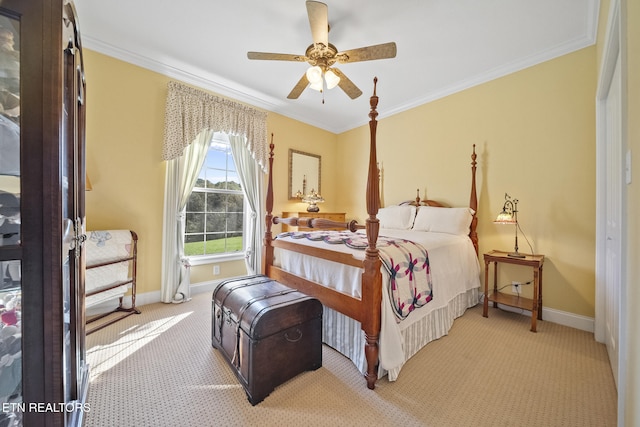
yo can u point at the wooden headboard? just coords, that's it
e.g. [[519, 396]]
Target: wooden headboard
[[419, 202], [473, 202]]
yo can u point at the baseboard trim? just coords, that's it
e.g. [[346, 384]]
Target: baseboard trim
[[198, 288], [155, 296], [147, 298], [564, 318]]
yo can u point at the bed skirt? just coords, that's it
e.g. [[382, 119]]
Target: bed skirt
[[346, 336]]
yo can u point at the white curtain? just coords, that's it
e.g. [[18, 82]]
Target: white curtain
[[188, 113], [182, 174], [251, 179]]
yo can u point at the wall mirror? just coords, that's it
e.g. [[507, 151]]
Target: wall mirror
[[304, 173]]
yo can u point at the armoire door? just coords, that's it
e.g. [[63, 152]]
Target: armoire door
[[76, 373], [43, 374]]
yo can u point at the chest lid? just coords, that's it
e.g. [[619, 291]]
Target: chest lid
[[264, 307]]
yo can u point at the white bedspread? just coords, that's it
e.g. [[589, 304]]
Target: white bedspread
[[455, 272]]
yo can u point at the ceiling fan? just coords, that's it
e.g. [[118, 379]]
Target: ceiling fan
[[322, 55]]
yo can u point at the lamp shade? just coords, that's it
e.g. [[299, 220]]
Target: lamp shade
[[332, 79], [509, 215], [314, 74], [316, 85], [505, 217]]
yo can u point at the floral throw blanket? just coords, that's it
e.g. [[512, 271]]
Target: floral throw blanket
[[406, 262]]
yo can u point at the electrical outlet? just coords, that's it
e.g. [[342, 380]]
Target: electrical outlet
[[515, 287], [216, 270]]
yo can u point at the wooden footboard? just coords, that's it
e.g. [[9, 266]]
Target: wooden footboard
[[367, 309]]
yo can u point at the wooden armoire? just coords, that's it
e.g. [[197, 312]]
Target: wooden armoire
[[43, 373]]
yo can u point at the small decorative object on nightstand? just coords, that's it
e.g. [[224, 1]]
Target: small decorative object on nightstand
[[535, 304], [313, 199]]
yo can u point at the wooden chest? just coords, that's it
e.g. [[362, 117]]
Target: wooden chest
[[267, 332]]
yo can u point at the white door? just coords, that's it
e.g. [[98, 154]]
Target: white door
[[614, 183]]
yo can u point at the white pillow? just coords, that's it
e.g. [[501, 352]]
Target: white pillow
[[443, 220], [397, 217]]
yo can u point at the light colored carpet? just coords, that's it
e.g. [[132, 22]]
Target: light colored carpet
[[159, 369]]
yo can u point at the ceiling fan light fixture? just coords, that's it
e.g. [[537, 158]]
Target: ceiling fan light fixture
[[314, 75], [332, 79], [317, 85], [321, 55]]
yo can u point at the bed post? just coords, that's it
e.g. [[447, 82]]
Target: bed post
[[267, 253], [372, 277], [473, 202]]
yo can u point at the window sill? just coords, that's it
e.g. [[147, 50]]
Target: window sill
[[210, 259]]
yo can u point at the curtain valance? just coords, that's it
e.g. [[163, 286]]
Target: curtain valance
[[189, 111]]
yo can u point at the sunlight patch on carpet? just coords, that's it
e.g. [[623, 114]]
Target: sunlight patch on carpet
[[102, 358]]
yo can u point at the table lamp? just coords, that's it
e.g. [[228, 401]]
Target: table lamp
[[509, 215]]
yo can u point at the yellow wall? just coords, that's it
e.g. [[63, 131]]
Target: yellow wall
[[535, 137], [534, 132], [125, 130], [302, 137], [125, 106]]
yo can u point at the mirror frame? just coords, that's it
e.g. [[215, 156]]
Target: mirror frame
[[303, 164]]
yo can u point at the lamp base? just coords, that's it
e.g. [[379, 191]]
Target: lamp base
[[516, 255], [313, 208]]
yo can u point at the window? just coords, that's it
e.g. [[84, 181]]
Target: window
[[215, 210]]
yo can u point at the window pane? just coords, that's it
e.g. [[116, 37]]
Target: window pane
[[216, 159], [215, 243], [216, 202], [216, 222], [235, 203], [215, 209], [231, 165], [234, 242], [194, 223], [196, 201], [234, 222], [216, 178], [233, 181], [194, 244]]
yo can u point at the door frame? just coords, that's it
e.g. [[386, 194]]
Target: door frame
[[612, 49]]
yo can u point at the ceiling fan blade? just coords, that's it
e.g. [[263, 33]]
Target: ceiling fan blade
[[276, 56], [319, 21], [299, 87], [369, 53], [347, 85]]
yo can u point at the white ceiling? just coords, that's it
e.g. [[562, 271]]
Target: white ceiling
[[444, 46]]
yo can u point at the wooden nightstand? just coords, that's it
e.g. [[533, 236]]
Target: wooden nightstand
[[333, 216], [535, 304]]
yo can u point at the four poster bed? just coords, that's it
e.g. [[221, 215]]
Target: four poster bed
[[357, 275]]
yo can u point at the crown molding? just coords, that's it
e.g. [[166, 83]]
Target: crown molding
[[224, 87]]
